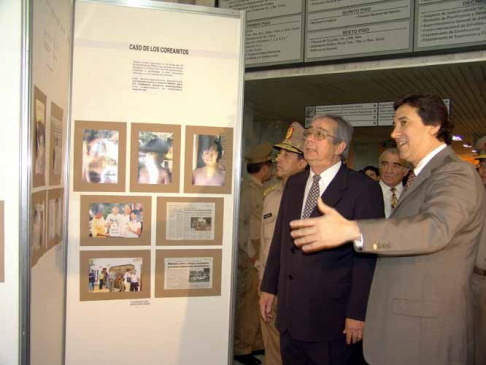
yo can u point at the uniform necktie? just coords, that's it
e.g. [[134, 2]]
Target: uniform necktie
[[410, 179], [394, 199], [311, 201]]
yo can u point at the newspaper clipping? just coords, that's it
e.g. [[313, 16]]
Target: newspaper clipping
[[190, 221], [188, 273]]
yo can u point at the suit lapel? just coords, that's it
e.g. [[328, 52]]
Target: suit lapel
[[425, 173], [298, 191], [335, 190]]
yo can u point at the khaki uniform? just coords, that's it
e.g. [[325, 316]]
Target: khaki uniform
[[479, 302], [248, 336], [271, 336]]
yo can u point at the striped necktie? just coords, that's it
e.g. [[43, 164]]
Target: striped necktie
[[394, 199]]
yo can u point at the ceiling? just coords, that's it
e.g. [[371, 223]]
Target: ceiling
[[285, 98]]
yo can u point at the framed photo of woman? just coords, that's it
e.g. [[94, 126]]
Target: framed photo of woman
[[209, 160]]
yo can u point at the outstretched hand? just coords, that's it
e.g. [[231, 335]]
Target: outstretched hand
[[327, 231]]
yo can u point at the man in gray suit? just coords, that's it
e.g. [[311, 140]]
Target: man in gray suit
[[419, 310]]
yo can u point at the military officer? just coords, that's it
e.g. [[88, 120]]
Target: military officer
[[290, 160], [248, 339]]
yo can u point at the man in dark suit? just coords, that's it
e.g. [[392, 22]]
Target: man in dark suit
[[420, 305], [322, 296]]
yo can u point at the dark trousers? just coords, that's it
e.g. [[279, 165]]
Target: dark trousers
[[338, 352]]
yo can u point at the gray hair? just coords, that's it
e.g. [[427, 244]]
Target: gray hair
[[395, 151], [344, 131]]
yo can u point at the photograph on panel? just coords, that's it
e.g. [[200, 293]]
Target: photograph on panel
[[54, 217], [115, 274], [39, 138], [209, 160], [189, 272], [99, 156], [38, 216], [111, 275], [115, 220], [155, 157], [209, 152], [189, 221], [56, 148]]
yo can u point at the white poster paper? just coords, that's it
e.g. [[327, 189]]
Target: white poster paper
[[190, 221]]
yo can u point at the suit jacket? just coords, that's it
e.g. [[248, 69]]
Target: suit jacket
[[317, 291], [419, 307]]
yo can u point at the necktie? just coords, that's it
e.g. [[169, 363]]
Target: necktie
[[311, 201], [394, 199], [410, 179]]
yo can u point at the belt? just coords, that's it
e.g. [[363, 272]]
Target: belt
[[479, 271]]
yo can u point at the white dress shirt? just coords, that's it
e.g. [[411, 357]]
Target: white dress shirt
[[326, 177], [387, 196]]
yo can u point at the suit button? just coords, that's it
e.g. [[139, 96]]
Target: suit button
[[292, 250], [291, 277]]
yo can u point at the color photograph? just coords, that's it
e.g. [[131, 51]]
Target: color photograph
[[155, 157], [115, 275], [121, 220], [99, 156], [39, 138], [208, 160], [115, 220], [112, 275]]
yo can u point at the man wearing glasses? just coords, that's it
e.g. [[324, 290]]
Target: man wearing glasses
[[322, 296], [392, 172]]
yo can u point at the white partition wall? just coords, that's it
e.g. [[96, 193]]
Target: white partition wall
[[10, 91], [156, 80]]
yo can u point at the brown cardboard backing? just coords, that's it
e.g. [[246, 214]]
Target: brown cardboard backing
[[38, 179], [55, 179], [143, 240], [162, 223], [191, 131], [38, 197], [160, 292], [79, 127], [134, 150], [84, 293], [54, 194]]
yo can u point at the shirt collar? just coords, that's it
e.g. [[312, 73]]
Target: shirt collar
[[398, 187], [328, 174], [423, 162]]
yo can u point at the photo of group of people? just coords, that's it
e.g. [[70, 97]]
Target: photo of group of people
[[155, 157], [105, 274], [115, 274], [120, 220]]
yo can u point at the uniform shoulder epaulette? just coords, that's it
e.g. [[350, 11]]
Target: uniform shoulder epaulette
[[270, 189]]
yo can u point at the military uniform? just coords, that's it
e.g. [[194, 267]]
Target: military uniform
[[248, 337], [271, 336]]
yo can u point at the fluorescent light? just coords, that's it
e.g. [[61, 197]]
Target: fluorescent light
[[456, 137], [467, 145]]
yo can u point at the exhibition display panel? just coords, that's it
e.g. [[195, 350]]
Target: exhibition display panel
[[155, 153]]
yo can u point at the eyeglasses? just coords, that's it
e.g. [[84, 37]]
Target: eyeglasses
[[318, 134]]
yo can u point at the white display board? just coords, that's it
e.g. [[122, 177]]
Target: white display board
[[162, 68], [10, 91], [274, 30]]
